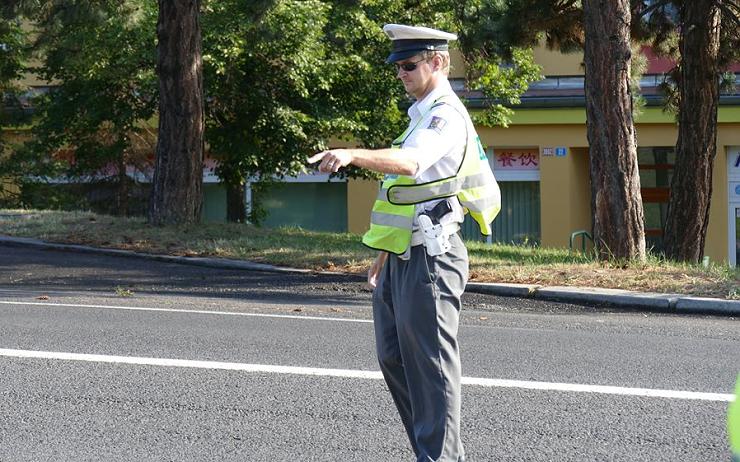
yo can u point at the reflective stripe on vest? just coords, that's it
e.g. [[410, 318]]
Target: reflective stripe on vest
[[474, 185], [388, 219], [413, 194]]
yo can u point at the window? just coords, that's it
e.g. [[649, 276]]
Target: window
[[656, 172]]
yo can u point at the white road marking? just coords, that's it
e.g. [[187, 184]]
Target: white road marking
[[361, 374], [174, 310]]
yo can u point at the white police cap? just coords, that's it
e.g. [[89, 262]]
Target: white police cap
[[412, 40]]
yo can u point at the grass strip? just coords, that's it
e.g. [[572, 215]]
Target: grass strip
[[299, 248]]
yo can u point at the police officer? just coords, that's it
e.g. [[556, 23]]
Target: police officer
[[435, 172]]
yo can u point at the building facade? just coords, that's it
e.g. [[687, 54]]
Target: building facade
[[541, 163]]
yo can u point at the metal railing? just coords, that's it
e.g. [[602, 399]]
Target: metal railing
[[585, 237]]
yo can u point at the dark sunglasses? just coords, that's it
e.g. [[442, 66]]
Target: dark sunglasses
[[408, 67]]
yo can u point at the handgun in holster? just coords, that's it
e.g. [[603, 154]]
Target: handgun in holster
[[436, 241]]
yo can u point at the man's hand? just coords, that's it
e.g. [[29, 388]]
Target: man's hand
[[374, 272], [332, 160]]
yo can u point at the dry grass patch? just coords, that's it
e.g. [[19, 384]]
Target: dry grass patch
[[299, 248]]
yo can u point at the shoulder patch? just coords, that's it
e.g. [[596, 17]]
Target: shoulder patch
[[437, 124]]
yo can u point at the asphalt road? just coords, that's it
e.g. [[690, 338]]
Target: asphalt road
[[107, 359]]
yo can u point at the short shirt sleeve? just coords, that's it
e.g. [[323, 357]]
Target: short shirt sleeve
[[440, 135]]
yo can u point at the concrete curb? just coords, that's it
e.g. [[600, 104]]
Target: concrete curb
[[506, 290], [612, 297], [667, 303], [702, 305]]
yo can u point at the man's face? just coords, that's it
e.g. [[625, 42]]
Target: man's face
[[416, 80]]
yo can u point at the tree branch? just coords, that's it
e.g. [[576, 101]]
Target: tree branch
[[729, 14], [732, 3], [654, 6]]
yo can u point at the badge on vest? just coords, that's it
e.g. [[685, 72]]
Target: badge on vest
[[437, 124]]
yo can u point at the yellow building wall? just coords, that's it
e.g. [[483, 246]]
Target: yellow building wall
[[565, 198], [564, 188], [457, 65], [360, 198], [556, 63], [553, 63]]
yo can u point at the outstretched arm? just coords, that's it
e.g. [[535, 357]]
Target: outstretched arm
[[391, 161]]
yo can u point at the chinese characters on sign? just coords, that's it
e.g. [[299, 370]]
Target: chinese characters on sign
[[517, 159]]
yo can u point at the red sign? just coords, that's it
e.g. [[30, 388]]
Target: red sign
[[517, 159]]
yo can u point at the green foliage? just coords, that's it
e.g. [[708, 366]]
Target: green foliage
[[93, 124], [500, 28], [498, 55], [283, 79], [658, 22], [267, 78], [286, 78], [13, 54], [497, 27], [503, 84], [639, 66], [502, 71]]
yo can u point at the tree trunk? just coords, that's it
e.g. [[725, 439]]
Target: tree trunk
[[691, 187], [235, 204], [616, 204], [176, 195]]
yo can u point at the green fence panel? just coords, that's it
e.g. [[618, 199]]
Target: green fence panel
[[314, 206], [214, 203]]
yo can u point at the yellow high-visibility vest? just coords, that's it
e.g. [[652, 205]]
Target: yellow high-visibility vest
[[474, 185], [733, 423]]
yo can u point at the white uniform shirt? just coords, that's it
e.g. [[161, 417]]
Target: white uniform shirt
[[440, 138]]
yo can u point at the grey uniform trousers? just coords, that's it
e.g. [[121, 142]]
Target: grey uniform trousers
[[416, 307]]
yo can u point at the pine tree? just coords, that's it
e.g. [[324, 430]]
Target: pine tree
[[616, 204], [708, 40], [176, 195], [601, 29]]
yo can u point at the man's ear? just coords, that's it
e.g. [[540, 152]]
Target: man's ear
[[436, 62]]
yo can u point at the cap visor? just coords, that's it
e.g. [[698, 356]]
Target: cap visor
[[399, 55]]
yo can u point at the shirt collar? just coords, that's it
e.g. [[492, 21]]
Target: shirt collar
[[422, 106]]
